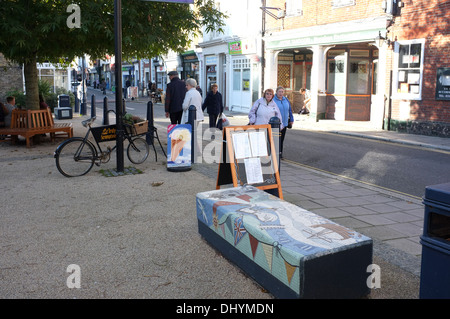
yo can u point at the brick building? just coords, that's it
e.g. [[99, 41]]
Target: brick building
[[11, 78], [421, 47], [384, 63]]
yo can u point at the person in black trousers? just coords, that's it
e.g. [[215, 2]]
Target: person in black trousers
[[175, 93], [213, 104]]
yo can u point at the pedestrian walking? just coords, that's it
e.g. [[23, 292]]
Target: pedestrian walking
[[175, 93], [213, 104], [286, 114], [264, 109], [194, 98]]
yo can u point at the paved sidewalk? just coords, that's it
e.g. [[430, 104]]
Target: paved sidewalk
[[134, 239]]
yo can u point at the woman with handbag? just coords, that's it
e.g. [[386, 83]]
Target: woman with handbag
[[286, 114], [264, 109], [213, 104]]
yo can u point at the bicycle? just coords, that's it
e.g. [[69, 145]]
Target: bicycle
[[76, 156]]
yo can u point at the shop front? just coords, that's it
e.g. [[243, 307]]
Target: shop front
[[190, 64], [245, 74], [351, 74], [338, 64], [211, 62]]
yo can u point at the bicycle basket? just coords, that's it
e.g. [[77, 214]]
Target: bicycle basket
[[138, 128]]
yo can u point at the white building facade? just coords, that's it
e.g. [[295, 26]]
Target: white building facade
[[233, 59]]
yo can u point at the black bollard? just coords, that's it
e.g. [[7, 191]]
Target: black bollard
[[150, 136], [275, 124], [93, 110], [124, 109], [105, 111], [192, 116], [77, 104]]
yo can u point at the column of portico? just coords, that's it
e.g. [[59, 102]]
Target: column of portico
[[270, 70]]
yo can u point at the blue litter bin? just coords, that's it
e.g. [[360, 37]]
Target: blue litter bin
[[435, 269]]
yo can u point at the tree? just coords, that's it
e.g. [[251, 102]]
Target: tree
[[35, 31]]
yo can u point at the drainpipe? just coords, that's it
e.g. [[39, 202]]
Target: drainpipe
[[263, 33], [389, 102]]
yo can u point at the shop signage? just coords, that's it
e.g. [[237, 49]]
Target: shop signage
[[174, 1], [234, 48], [104, 133], [367, 35], [211, 59], [342, 3], [443, 84]]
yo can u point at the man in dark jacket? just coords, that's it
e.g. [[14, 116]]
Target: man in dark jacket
[[213, 104], [176, 90]]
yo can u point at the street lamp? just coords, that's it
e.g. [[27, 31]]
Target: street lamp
[[118, 74], [380, 40]]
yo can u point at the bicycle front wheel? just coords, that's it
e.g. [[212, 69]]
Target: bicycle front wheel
[[137, 150], [75, 157]]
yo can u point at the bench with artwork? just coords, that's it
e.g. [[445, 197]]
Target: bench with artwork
[[28, 123], [291, 252]]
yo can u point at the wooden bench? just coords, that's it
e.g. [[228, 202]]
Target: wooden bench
[[291, 252], [28, 123]]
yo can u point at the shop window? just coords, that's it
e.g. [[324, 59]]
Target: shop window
[[241, 74], [336, 72], [237, 80], [358, 76], [302, 70], [284, 75], [408, 69]]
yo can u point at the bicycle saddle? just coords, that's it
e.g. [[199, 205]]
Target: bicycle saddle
[[88, 122]]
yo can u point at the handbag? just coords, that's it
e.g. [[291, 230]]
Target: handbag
[[222, 121], [219, 124], [289, 123]]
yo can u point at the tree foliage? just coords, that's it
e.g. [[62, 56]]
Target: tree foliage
[[36, 30]]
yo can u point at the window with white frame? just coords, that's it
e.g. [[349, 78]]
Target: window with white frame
[[241, 74], [293, 7], [408, 69]]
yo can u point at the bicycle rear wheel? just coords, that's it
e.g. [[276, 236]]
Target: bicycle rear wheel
[[138, 150], [75, 157]]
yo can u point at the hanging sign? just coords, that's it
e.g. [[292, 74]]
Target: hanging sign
[[443, 84], [234, 47]]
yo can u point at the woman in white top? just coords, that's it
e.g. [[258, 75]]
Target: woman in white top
[[192, 97], [264, 109]]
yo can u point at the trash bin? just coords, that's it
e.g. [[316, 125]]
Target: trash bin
[[435, 269], [64, 110]]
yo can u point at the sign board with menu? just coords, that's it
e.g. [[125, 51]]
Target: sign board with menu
[[249, 158]]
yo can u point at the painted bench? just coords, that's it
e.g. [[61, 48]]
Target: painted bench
[[289, 251]]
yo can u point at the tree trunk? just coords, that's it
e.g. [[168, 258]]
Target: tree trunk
[[31, 84]]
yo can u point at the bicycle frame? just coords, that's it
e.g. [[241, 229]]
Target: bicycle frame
[[100, 134]]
